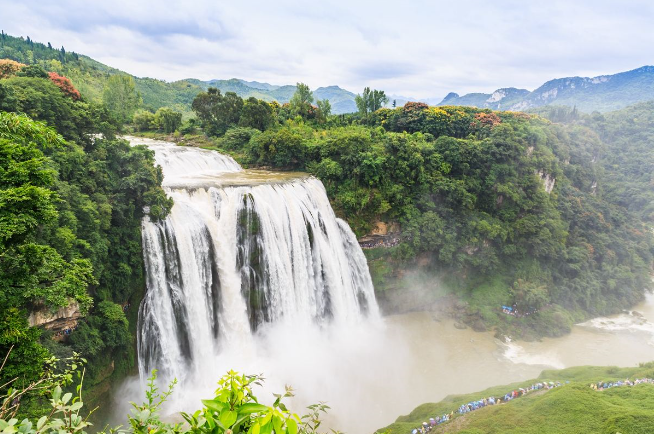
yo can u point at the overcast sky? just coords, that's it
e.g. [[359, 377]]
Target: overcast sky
[[414, 48]]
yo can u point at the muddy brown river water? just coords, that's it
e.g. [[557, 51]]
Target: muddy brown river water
[[425, 360]]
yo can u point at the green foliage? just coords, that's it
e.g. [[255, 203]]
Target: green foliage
[[300, 103], [144, 120], [20, 344], [529, 295], [41, 99], [324, 110], [370, 101], [237, 138], [70, 216], [168, 120], [57, 374], [165, 119], [285, 147], [31, 271], [256, 114], [234, 409], [628, 160], [217, 112], [32, 71], [120, 96]]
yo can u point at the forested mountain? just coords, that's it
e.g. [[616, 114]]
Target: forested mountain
[[90, 77], [603, 93], [627, 159]]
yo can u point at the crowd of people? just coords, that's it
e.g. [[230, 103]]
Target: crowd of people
[[481, 403], [66, 331], [380, 242], [512, 310], [602, 385]]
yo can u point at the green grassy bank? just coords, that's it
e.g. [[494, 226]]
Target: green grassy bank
[[572, 408]]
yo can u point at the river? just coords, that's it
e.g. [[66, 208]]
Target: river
[[428, 360]]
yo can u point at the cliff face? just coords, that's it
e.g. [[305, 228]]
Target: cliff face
[[60, 322]]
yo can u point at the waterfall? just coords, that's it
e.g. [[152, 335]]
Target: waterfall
[[240, 251]]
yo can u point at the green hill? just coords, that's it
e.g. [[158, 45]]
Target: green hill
[[90, 76], [572, 408]]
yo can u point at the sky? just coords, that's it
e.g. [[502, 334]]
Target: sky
[[416, 48]]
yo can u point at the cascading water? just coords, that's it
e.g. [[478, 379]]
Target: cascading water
[[239, 251]]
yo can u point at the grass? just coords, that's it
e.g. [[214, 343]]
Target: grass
[[571, 409]]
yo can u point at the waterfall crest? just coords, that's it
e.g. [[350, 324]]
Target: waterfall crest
[[239, 252]]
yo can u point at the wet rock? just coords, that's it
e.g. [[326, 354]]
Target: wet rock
[[479, 326]]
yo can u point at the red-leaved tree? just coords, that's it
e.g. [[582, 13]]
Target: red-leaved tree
[[65, 85]]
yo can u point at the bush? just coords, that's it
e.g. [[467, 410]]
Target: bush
[[236, 139], [233, 410]]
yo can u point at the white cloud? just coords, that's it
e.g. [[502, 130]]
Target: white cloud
[[420, 48]]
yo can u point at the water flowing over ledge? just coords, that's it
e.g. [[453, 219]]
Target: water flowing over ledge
[[241, 250]]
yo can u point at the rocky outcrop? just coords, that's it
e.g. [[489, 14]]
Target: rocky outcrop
[[381, 235], [548, 180], [65, 318], [383, 229]]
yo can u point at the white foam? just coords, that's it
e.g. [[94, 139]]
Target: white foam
[[628, 322], [519, 355]]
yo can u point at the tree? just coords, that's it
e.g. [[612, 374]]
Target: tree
[[324, 109], [167, 119], [144, 120], [370, 101], [65, 85], [217, 112], [41, 99], [9, 67], [120, 96], [31, 272], [301, 101], [229, 110], [32, 71], [256, 114], [205, 106], [362, 102], [529, 295], [379, 99]]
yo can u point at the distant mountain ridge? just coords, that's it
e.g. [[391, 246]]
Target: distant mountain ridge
[[342, 100], [602, 93]]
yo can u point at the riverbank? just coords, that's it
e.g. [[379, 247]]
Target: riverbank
[[574, 408]]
